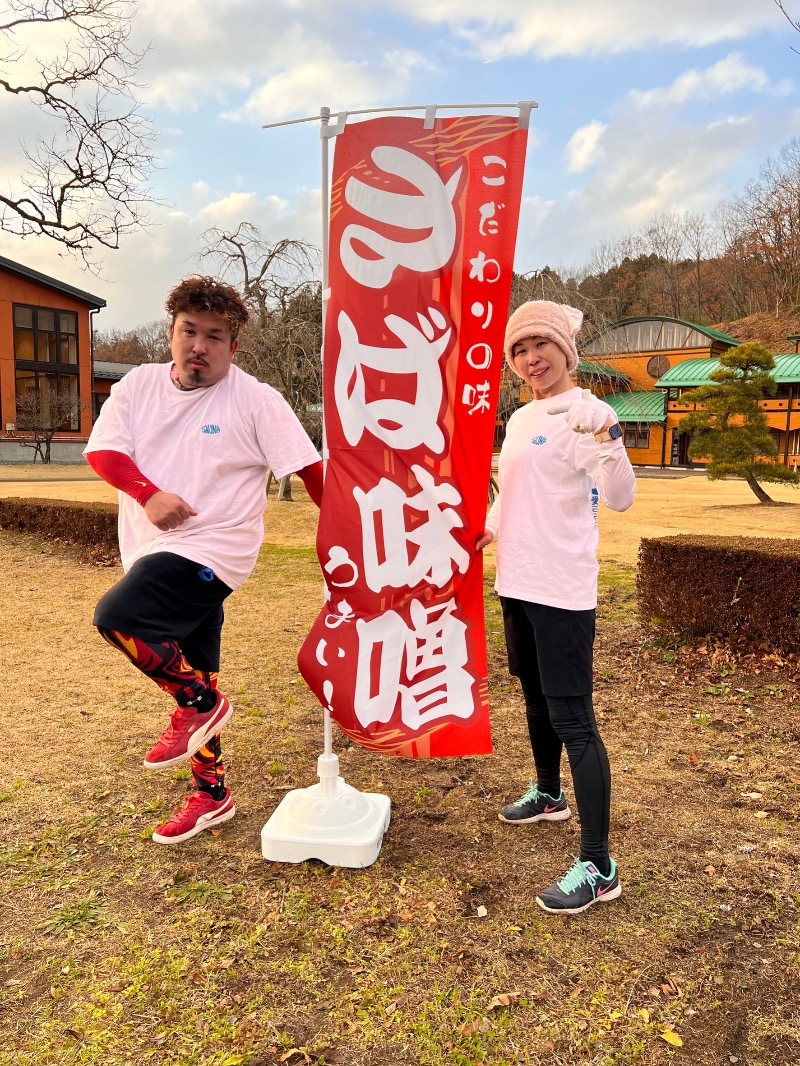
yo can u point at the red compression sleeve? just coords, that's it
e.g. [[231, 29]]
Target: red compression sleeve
[[120, 471], [311, 476]]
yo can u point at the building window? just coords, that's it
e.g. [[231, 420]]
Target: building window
[[46, 365], [657, 366], [637, 436]]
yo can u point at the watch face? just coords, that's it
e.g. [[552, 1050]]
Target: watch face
[[615, 431]]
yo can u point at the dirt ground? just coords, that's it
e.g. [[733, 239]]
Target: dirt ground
[[116, 951]]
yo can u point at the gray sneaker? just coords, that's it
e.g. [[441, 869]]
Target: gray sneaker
[[536, 806]]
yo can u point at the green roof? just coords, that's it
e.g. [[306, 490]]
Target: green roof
[[695, 372], [645, 334], [689, 374], [600, 370], [637, 406], [715, 333]]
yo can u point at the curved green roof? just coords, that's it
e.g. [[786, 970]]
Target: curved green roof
[[695, 372], [652, 333], [637, 406], [689, 374]]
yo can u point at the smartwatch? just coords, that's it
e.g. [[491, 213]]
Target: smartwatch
[[614, 432]]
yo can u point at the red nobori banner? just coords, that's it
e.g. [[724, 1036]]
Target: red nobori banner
[[422, 234]]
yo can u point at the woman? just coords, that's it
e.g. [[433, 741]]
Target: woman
[[562, 453]]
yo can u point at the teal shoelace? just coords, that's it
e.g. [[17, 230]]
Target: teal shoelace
[[575, 877], [532, 794]]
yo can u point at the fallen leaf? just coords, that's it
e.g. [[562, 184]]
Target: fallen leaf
[[672, 1038], [481, 911], [693, 759], [504, 999]]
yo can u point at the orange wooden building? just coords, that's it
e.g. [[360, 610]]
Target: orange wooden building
[[45, 350], [642, 367]]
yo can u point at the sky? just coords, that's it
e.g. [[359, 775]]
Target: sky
[[643, 109]]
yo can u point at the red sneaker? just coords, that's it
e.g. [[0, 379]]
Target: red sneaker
[[188, 730], [199, 812]]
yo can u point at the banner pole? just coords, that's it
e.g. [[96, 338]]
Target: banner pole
[[325, 198], [330, 821]]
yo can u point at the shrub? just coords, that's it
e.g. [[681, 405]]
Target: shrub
[[727, 586], [91, 525]]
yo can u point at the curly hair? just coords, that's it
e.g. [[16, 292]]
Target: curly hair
[[208, 294]]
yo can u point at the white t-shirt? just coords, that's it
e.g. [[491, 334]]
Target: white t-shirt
[[545, 518], [212, 446]]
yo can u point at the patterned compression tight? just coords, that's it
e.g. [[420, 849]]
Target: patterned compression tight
[[165, 663]]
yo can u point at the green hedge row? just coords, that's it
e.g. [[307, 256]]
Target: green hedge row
[[733, 587], [91, 525]]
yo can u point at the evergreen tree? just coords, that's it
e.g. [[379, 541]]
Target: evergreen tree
[[732, 429]]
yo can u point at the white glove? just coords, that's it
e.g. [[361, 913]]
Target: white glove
[[585, 415]]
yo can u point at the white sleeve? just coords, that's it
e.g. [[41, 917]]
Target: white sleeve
[[281, 437], [493, 517], [610, 469], [111, 431]]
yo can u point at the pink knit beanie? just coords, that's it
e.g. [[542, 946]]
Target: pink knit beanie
[[542, 318]]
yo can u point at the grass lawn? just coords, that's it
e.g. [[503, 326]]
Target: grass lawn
[[114, 950]]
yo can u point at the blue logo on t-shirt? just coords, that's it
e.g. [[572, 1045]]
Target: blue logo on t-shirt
[[206, 574], [539, 440], [210, 428], [595, 498]]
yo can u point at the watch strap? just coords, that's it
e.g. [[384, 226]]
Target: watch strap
[[614, 432]]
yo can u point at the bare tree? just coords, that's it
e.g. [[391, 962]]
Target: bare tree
[[763, 234], [43, 413], [147, 343], [85, 169], [794, 23], [282, 341]]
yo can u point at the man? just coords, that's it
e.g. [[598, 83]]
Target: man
[[189, 445]]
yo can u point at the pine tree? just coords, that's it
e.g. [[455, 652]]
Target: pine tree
[[732, 429]]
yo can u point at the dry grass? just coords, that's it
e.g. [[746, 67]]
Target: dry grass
[[116, 951]]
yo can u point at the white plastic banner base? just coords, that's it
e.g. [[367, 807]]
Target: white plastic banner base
[[330, 821]]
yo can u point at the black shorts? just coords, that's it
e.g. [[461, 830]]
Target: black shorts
[[164, 597], [549, 648]]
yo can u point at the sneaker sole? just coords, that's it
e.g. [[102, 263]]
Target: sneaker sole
[[196, 742], [218, 820], [607, 897], [556, 816]]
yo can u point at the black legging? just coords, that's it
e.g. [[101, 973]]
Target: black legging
[[556, 722]]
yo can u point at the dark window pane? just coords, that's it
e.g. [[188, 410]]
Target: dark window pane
[[45, 319], [67, 322], [23, 317]]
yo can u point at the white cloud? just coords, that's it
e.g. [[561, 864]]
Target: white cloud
[[647, 170], [730, 75], [135, 280], [342, 84], [549, 28], [281, 59], [583, 147]]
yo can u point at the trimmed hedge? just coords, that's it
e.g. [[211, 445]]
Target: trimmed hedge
[[745, 587], [93, 525]]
